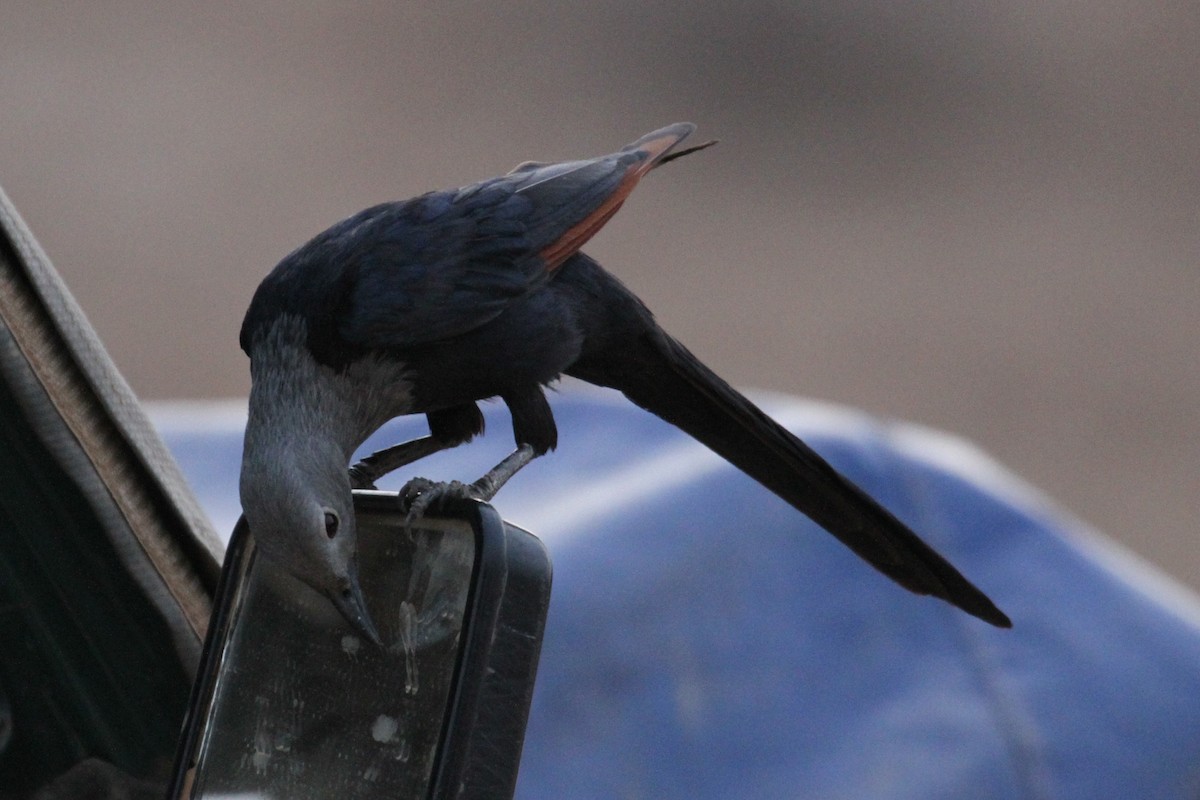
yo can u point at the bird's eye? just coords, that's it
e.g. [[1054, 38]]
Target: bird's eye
[[331, 524]]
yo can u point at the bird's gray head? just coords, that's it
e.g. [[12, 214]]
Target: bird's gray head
[[305, 421], [295, 489], [299, 508]]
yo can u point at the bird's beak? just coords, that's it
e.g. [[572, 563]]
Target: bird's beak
[[353, 605]]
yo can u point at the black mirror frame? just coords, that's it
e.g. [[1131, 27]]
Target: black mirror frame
[[484, 727]]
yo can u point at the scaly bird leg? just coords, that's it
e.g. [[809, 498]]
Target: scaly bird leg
[[364, 474], [421, 494]]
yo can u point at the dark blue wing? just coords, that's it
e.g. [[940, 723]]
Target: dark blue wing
[[440, 265]]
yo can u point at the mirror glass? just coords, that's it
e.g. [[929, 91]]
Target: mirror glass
[[304, 708]]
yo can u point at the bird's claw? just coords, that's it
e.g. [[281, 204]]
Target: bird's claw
[[360, 478], [421, 495]]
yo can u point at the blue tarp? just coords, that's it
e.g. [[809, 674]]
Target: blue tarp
[[707, 641]]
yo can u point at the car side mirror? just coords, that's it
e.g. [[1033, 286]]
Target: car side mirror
[[290, 702]]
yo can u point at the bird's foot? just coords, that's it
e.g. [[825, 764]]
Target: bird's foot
[[360, 478], [421, 495]]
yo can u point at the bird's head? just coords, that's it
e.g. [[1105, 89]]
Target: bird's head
[[300, 510]]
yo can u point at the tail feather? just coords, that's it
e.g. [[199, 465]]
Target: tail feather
[[667, 380]]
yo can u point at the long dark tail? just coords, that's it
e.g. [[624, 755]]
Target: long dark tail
[[663, 377]]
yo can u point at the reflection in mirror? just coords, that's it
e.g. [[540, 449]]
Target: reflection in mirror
[[304, 708]]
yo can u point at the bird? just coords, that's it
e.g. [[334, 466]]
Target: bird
[[432, 304]]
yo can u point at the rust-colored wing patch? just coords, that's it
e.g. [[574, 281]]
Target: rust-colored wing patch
[[655, 146]]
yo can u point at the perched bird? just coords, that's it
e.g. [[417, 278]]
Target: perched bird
[[428, 305]]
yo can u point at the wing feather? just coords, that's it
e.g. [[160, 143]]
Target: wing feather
[[440, 265]]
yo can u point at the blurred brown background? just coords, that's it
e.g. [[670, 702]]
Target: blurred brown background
[[979, 216]]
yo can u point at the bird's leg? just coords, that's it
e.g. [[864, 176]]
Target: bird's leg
[[495, 478], [421, 494], [370, 469]]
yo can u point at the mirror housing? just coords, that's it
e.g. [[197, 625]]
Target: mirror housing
[[290, 702]]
